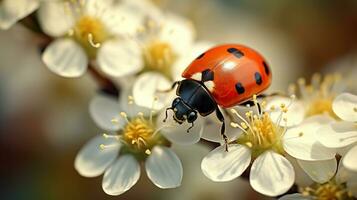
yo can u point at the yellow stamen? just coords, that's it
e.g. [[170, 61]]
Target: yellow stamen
[[138, 133], [89, 32], [261, 133], [328, 191]]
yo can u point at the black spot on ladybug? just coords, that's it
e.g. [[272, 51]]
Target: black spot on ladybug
[[258, 78], [240, 89], [237, 53], [266, 68], [207, 75], [200, 56]]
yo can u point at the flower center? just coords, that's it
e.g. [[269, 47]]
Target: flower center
[[138, 133], [260, 133], [328, 191], [319, 94], [320, 106], [159, 56], [89, 32]]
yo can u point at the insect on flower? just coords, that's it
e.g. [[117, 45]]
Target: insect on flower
[[225, 75], [135, 137]]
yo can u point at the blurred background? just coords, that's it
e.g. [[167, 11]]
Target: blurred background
[[44, 118]]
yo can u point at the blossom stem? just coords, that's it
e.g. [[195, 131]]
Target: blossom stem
[[31, 23]]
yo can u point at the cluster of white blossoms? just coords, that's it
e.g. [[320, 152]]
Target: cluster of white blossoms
[[310, 134]]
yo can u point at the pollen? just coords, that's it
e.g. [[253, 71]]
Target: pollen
[[138, 133], [159, 56], [90, 33], [260, 133], [328, 191]]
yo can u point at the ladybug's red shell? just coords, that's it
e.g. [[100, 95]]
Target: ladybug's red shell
[[233, 73]]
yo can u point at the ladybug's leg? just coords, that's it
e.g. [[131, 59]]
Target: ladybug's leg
[[170, 89], [167, 109], [192, 125], [223, 127]]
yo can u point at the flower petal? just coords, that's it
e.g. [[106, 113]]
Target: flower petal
[[125, 20], [301, 143], [271, 174], [350, 159], [54, 19], [177, 133], [319, 171], [337, 135], [295, 114], [120, 58], [121, 175], [301, 177], [164, 168], [65, 58], [91, 161], [13, 10], [296, 196], [147, 87], [178, 32], [345, 106], [103, 110], [145, 9], [132, 109], [222, 166]]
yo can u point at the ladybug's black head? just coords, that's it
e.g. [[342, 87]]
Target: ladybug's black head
[[183, 112]]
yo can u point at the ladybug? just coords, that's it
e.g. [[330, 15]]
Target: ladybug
[[223, 76]]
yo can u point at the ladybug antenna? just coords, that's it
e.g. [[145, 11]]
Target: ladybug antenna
[[167, 109], [192, 125]]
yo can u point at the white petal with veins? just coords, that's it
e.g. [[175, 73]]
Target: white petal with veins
[[66, 58], [271, 174], [221, 166]]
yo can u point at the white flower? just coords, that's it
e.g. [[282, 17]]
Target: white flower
[[313, 99], [87, 32], [136, 138], [341, 186], [343, 134], [266, 144], [12, 11], [166, 46]]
